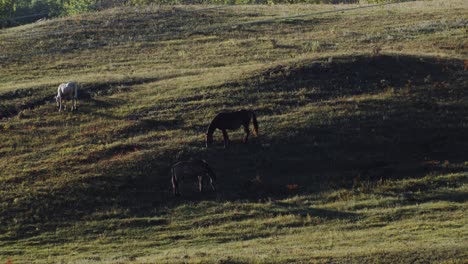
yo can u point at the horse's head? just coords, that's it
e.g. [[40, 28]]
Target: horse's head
[[57, 99], [208, 139]]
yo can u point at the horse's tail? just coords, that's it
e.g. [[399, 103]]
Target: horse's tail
[[255, 123], [76, 91]]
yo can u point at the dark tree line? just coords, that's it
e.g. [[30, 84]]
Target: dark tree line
[[17, 12]]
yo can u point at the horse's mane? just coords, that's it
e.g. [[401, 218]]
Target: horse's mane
[[211, 127]]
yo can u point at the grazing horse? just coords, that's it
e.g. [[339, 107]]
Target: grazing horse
[[68, 91], [231, 121], [193, 168]]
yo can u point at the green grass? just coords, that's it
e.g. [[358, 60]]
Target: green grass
[[363, 114]]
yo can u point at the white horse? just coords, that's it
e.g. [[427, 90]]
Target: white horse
[[67, 91]]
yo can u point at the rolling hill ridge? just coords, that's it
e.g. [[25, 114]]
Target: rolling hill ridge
[[360, 155]]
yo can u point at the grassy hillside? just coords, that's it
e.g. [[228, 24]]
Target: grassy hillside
[[361, 155]]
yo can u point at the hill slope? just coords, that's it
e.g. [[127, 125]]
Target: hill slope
[[361, 155]]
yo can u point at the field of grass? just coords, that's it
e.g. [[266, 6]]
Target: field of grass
[[361, 155]]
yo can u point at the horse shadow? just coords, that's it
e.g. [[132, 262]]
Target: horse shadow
[[394, 137], [418, 119]]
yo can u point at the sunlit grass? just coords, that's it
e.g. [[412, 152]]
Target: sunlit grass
[[360, 156]]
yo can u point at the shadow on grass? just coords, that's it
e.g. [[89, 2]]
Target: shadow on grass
[[423, 118], [446, 195]]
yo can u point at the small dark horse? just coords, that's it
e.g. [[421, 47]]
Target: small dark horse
[[194, 168], [231, 121]]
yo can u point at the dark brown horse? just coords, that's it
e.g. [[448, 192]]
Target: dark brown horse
[[193, 169], [232, 121]]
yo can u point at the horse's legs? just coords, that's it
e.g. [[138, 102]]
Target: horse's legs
[[247, 132], [226, 138], [175, 185], [212, 184], [60, 104], [200, 183]]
